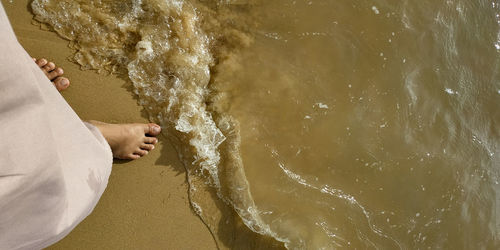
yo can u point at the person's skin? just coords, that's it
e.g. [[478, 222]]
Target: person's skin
[[53, 73], [127, 141]]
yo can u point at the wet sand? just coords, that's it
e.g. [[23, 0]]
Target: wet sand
[[146, 203]]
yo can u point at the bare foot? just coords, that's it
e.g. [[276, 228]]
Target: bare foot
[[129, 141], [53, 73]]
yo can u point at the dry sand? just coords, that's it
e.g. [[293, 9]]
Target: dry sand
[[145, 205]]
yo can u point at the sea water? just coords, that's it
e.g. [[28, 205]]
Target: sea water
[[322, 124]]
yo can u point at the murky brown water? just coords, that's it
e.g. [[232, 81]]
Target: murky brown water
[[324, 124]]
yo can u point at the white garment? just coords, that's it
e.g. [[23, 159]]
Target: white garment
[[53, 167]]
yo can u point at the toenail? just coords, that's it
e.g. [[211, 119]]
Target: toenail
[[156, 129], [64, 82]]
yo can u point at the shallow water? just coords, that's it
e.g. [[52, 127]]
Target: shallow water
[[324, 124]]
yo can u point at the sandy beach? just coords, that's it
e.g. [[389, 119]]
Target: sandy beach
[[298, 124], [146, 203]]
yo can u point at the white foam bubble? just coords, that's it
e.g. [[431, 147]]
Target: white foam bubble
[[450, 91], [321, 105]]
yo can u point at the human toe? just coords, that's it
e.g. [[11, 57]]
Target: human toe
[[55, 73], [141, 152], [147, 147], [49, 67], [132, 157], [61, 83], [41, 62], [152, 129], [150, 140]]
